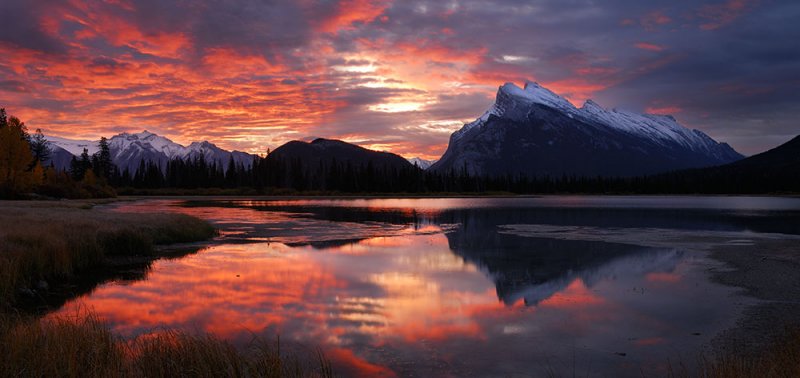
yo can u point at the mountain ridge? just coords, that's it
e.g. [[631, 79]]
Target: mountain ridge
[[327, 150], [535, 132], [128, 149]]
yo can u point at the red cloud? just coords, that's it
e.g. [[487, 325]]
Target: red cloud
[[663, 110], [349, 12], [654, 19], [649, 46], [719, 15]]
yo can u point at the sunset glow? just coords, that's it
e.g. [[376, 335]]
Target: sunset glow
[[391, 75]]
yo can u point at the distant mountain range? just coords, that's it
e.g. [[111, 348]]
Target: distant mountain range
[[127, 150], [529, 131], [421, 163], [533, 131]]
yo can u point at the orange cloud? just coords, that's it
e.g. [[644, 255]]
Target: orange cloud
[[663, 110], [349, 12], [649, 46]]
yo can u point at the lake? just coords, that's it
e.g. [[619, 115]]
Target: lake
[[562, 285]]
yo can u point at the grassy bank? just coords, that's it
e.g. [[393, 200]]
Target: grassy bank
[[782, 359], [51, 241], [56, 240], [84, 347]]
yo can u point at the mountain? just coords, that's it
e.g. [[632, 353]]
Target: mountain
[[59, 157], [73, 146], [127, 150], [776, 170], [784, 159], [421, 163], [326, 150], [535, 132]]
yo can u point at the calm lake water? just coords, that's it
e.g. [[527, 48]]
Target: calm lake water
[[590, 286]]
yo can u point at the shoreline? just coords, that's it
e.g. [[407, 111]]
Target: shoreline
[[138, 197], [768, 271], [66, 247]]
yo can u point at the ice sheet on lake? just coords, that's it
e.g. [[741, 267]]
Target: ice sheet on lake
[[647, 237]]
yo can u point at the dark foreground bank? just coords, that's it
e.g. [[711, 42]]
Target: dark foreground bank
[[44, 244]]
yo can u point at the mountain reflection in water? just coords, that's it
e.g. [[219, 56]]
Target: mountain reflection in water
[[434, 288]]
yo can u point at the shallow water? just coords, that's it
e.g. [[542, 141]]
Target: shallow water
[[568, 285]]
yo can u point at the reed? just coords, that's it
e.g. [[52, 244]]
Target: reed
[[44, 241], [780, 359], [82, 346]]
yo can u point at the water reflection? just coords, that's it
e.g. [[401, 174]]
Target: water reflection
[[116, 270], [418, 288]]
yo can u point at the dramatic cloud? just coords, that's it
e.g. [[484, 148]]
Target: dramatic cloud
[[393, 75]]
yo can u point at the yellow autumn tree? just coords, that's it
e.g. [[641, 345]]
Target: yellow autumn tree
[[16, 175]]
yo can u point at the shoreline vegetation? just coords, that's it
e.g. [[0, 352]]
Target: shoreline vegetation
[[43, 243], [83, 346], [56, 240]]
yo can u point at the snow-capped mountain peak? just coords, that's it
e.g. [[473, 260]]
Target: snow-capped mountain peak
[[128, 149], [74, 146], [592, 107], [556, 137], [147, 141], [514, 102], [421, 163]]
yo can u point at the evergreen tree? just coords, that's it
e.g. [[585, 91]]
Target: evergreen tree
[[103, 166], [79, 166], [40, 149], [231, 174]]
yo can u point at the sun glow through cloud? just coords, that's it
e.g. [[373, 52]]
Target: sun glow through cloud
[[392, 72]]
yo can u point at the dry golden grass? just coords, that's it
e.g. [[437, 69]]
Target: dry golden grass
[[84, 347], [57, 239]]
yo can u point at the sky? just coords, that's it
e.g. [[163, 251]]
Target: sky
[[397, 76]]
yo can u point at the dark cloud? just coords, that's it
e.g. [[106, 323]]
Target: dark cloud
[[13, 86], [325, 67], [22, 29]]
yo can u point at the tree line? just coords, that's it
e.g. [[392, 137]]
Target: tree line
[[23, 171], [274, 173]]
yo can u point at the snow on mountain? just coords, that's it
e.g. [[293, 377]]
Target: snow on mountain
[[74, 146], [533, 130], [146, 140], [664, 128], [531, 93], [128, 150], [421, 163], [514, 102]]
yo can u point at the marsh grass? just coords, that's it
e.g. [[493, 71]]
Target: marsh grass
[[82, 346], [43, 241], [780, 359]]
